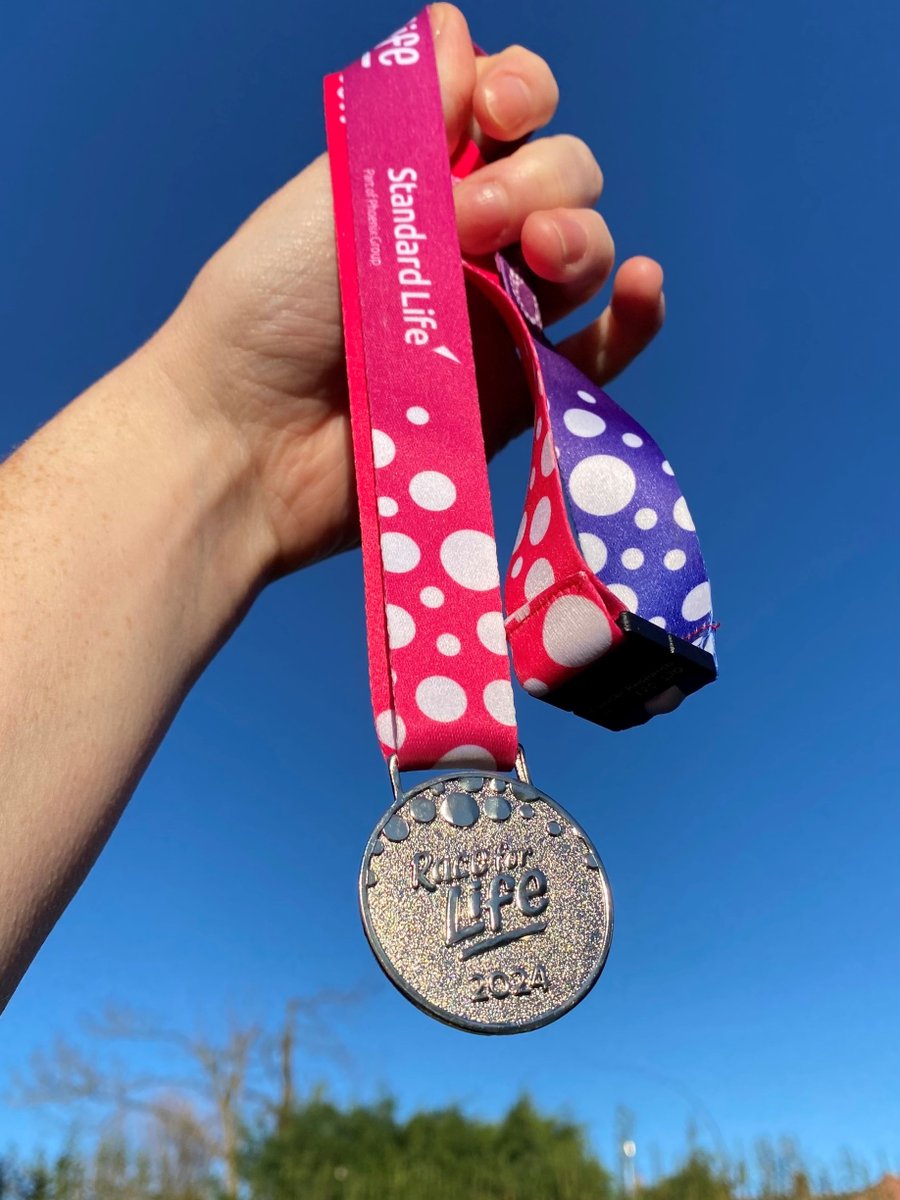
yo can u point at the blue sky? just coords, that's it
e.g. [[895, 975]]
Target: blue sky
[[751, 837]]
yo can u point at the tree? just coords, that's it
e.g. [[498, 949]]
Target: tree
[[366, 1153], [192, 1108], [698, 1179]]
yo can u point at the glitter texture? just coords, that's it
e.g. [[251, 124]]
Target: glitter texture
[[529, 920]]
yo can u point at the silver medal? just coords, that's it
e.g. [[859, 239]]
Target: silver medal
[[484, 902]]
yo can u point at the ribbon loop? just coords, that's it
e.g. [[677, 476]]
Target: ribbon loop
[[601, 496]]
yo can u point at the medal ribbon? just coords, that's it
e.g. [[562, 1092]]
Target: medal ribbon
[[601, 498]]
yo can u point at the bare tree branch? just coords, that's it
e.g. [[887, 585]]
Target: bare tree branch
[[196, 1110]]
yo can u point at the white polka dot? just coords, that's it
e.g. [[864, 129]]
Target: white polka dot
[[602, 484], [697, 602], [660, 621], [387, 507], [632, 439], [665, 702], [399, 552], [532, 479], [448, 644], [539, 521], [675, 559], [432, 490], [575, 631], [521, 533], [583, 424], [440, 698], [535, 687], [538, 427], [681, 514], [431, 597], [539, 578], [516, 567], [400, 625], [470, 559], [383, 448], [668, 470], [645, 518], [548, 461], [491, 633], [390, 729], [418, 416], [586, 397], [594, 550], [468, 756], [498, 700], [632, 558], [626, 594]]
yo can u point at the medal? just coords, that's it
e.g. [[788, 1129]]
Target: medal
[[483, 900]]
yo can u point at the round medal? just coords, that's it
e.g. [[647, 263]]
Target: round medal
[[485, 904]]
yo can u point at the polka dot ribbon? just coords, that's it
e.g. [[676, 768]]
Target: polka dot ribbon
[[601, 498]]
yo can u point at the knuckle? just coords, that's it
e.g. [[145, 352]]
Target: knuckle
[[531, 64], [516, 50], [576, 152]]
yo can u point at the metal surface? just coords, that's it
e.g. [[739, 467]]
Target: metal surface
[[484, 903]]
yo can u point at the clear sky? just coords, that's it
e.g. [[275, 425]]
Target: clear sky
[[752, 837]]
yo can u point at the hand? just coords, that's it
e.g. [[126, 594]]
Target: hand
[[257, 344]]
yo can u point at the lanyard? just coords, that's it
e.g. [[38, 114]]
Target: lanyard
[[606, 548], [607, 598]]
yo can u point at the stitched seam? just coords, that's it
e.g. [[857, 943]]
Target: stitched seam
[[570, 585]]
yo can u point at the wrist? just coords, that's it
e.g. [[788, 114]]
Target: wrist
[[216, 461], [275, 391], [202, 472]]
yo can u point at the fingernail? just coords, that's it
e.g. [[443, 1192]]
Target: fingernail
[[573, 239], [508, 101]]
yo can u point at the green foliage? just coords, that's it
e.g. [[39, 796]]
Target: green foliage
[[697, 1179], [113, 1170], [322, 1152], [317, 1150]]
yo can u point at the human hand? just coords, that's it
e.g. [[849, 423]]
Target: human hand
[[256, 347]]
